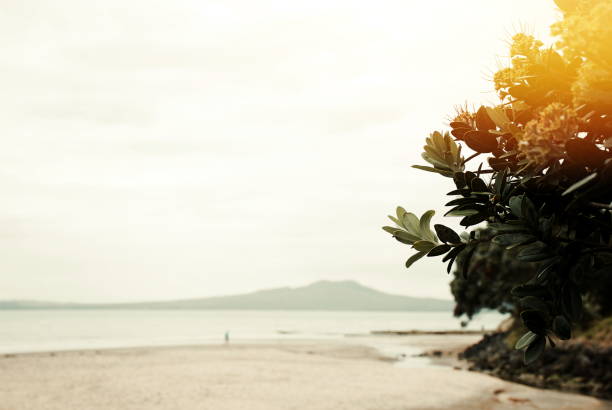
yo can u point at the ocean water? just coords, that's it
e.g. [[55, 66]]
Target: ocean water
[[53, 330]]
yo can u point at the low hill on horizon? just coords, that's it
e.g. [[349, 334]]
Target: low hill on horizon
[[322, 295]]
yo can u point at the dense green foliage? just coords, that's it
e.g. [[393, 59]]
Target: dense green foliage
[[493, 272], [543, 186]]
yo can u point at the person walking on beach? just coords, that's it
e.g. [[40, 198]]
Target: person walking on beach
[[227, 337]]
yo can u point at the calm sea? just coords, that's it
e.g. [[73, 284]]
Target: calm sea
[[49, 330]]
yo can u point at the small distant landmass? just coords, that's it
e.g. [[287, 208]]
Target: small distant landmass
[[322, 295]]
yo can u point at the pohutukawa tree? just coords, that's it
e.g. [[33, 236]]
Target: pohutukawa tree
[[539, 174]]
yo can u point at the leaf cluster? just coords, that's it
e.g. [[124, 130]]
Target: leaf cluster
[[543, 187]]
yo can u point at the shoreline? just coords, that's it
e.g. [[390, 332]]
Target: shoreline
[[295, 338], [300, 374], [429, 332]]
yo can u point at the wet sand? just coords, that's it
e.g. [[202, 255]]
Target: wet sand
[[309, 375]]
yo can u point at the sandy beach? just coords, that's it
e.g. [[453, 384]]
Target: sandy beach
[[276, 375]]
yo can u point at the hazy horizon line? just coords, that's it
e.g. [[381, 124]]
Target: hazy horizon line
[[180, 299]]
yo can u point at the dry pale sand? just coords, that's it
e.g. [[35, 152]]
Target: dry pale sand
[[296, 375]]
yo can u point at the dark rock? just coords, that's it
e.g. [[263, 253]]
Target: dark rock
[[582, 368]]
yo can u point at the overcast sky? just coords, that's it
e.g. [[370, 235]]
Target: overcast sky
[[185, 148]]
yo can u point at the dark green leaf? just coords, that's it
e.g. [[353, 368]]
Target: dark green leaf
[[463, 192], [523, 243], [478, 185], [446, 234], [500, 181], [515, 205], [509, 191], [454, 252], [534, 321], [462, 201], [439, 250], [508, 239], [534, 252], [498, 164], [450, 264], [535, 349], [459, 179], [473, 219], [462, 211], [547, 269], [469, 175], [525, 340], [535, 303], [414, 258], [528, 211], [507, 228], [562, 328], [580, 184]]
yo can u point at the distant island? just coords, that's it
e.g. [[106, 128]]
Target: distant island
[[322, 295]]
